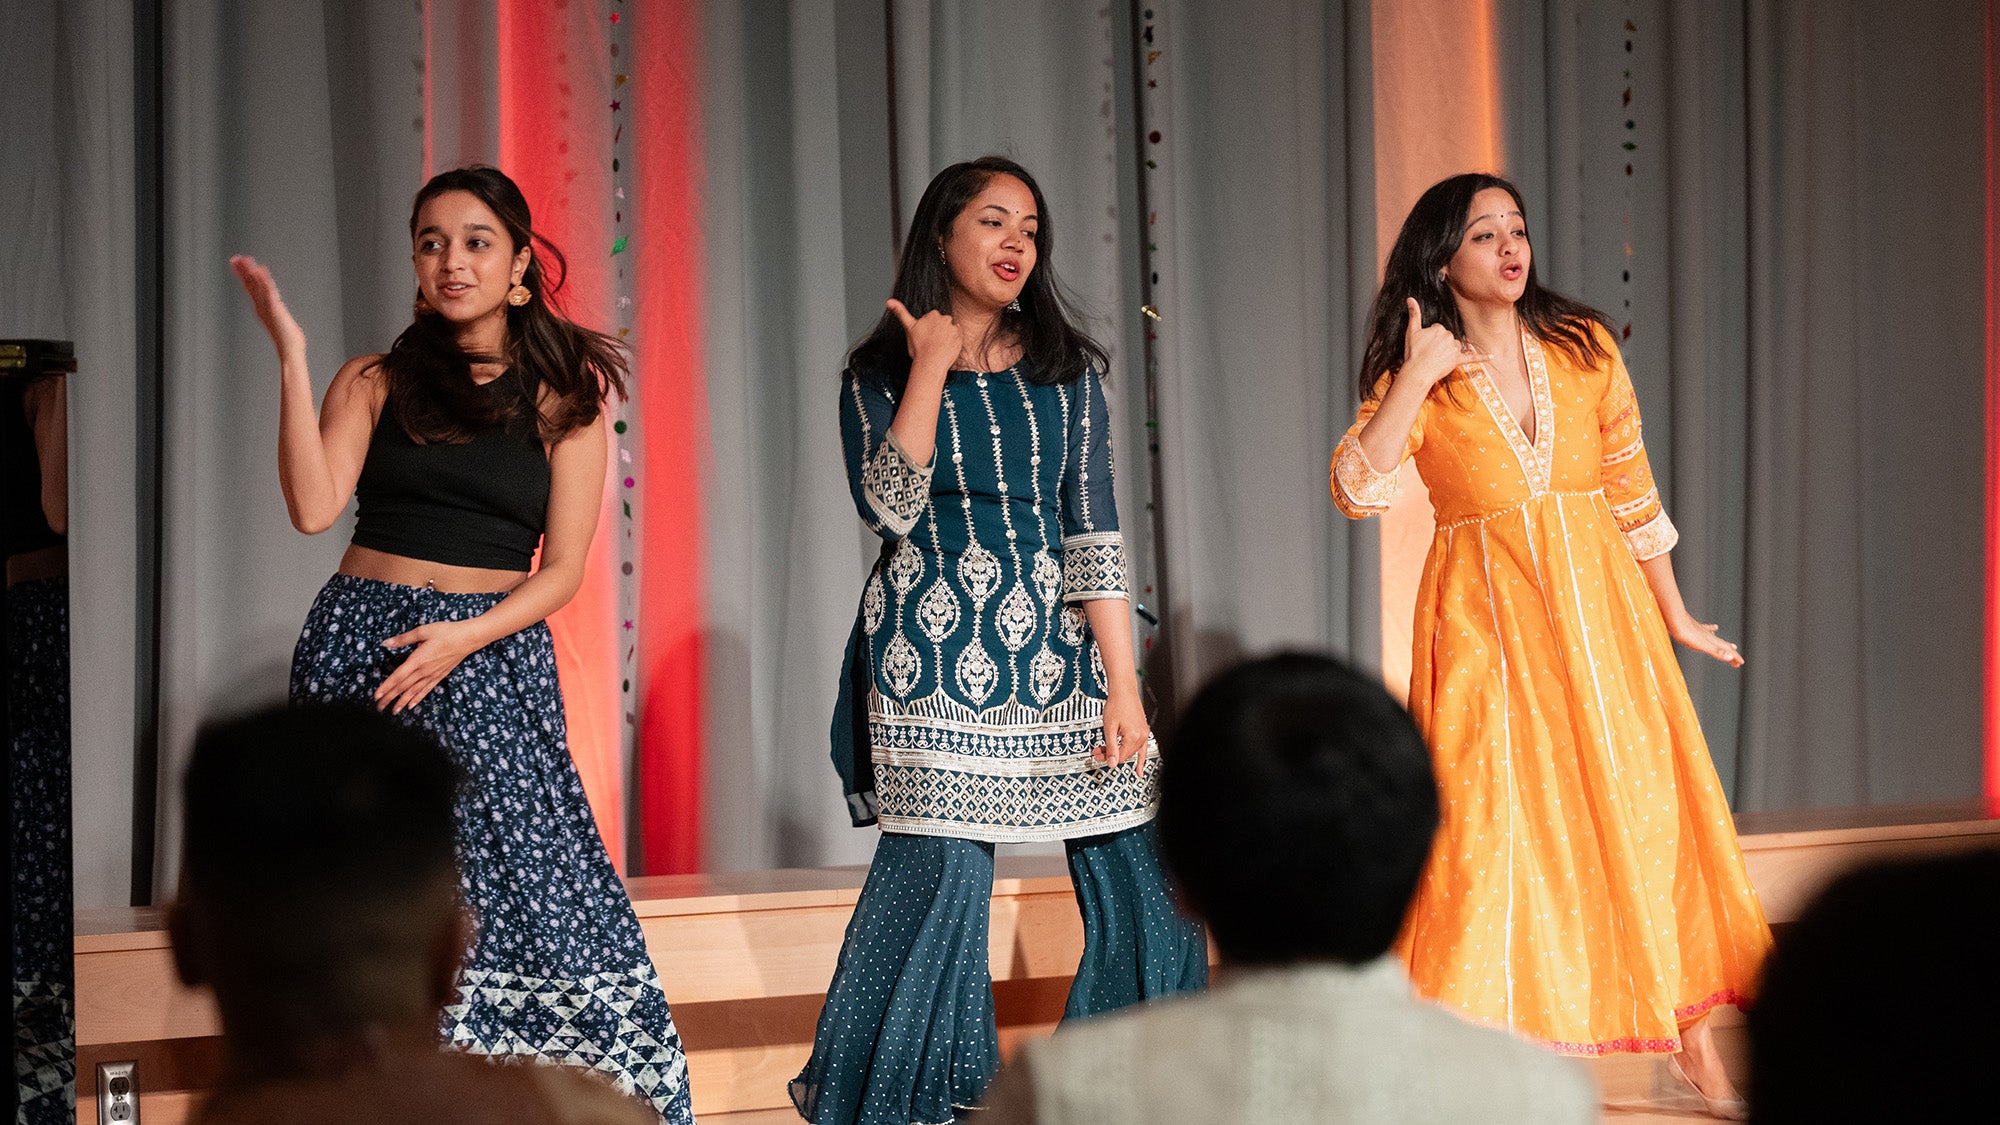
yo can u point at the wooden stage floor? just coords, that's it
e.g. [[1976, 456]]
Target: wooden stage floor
[[746, 957]]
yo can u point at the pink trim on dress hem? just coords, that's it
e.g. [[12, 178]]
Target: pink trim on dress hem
[[1700, 1008], [1634, 1045]]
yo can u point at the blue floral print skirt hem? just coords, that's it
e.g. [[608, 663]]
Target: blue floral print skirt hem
[[558, 970], [39, 750]]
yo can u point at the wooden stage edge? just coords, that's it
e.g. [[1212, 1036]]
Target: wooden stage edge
[[745, 959]]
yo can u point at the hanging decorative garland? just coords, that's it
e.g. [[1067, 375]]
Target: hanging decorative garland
[[627, 470], [1631, 148], [1151, 107]]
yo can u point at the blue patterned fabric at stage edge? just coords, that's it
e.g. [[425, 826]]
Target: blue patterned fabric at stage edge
[[38, 699], [558, 970], [984, 692]]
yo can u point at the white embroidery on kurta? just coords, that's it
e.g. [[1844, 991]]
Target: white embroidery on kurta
[[897, 489], [1537, 458], [1653, 538], [1048, 577], [1023, 710], [1045, 673], [1093, 566], [874, 603], [1071, 624], [906, 567], [979, 570], [977, 674], [1016, 809], [937, 612], [1364, 487], [902, 664], [1015, 619]]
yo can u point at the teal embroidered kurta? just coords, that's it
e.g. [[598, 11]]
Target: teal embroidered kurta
[[984, 691]]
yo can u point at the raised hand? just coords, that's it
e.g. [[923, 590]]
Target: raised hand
[[1430, 351], [285, 331], [932, 338]]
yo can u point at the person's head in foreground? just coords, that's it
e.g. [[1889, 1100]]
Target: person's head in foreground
[[1297, 811], [319, 900], [1908, 947]]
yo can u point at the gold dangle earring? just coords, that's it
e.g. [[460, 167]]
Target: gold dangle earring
[[519, 295]]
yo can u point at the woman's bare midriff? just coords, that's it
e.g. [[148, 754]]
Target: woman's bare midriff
[[366, 562]]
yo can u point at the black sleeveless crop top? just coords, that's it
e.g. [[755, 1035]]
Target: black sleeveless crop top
[[479, 503]]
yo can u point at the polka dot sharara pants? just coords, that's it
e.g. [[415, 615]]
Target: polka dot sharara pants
[[908, 1034]]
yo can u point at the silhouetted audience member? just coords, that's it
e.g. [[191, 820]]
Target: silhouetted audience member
[[1297, 806], [1910, 947], [320, 901]]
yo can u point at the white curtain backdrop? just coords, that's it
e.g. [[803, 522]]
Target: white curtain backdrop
[[70, 245], [1804, 290], [1804, 281], [293, 134], [1261, 205], [798, 230]]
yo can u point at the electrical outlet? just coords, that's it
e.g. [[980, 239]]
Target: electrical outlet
[[118, 1093]]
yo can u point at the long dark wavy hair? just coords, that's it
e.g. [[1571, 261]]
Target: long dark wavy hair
[[1430, 236], [431, 393], [1054, 348]]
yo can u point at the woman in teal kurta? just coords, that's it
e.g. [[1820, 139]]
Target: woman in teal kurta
[[987, 690], [990, 695]]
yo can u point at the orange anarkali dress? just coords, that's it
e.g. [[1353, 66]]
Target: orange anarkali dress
[[1586, 888]]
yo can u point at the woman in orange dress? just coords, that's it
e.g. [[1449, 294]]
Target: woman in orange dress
[[1587, 889]]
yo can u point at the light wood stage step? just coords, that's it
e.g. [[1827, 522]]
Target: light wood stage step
[[745, 959]]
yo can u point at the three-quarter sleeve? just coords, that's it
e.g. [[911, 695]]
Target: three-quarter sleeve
[[1093, 549], [890, 490], [1627, 477], [1360, 489]]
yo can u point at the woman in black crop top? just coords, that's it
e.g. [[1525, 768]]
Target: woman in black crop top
[[475, 439]]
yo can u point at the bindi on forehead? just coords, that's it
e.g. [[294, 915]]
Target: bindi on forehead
[[1001, 193], [1476, 219], [1006, 210]]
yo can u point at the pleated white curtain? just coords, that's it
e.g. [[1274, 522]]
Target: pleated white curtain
[[70, 233], [279, 125], [1804, 291], [798, 229], [292, 133], [1259, 150], [1795, 249]]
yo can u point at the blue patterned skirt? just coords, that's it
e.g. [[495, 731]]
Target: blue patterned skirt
[[38, 738], [558, 969]]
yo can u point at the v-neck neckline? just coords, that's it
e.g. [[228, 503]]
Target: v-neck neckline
[[1537, 454]]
